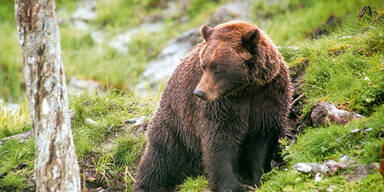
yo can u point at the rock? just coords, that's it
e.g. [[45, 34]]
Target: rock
[[77, 86], [136, 121], [98, 36], [367, 130], [81, 25], [92, 122], [233, 10], [324, 113], [345, 159], [311, 168], [334, 166], [85, 10], [121, 42], [355, 131], [139, 126], [346, 37], [331, 188], [328, 166], [363, 170], [318, 177], [166, 62]]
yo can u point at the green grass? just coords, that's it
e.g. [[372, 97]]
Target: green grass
[[110, 111], [288, 22], [194, 184], [84, 58], [347, 71], [345, 67], [14, 123]]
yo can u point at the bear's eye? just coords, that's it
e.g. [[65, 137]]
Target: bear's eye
[[203, 67], [215, 68]]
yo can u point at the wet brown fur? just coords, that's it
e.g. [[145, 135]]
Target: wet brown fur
[[232, 136]]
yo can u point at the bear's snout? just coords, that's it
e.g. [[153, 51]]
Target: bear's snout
[[199, 93]]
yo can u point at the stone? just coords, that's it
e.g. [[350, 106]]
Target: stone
[[136, 121], [311, 168], [77, 86], [324, 113], [81, 25], [121, 42], [166, 62], [334, 166], [92, 122], [85, 10], [328, 166], [362, 171], [233, 10]]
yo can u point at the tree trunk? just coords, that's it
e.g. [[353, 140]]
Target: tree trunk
[[56, 167]]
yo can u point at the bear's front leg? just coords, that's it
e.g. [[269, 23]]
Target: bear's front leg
[[163, 164], [220, 153]]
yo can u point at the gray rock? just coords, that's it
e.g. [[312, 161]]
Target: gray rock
[[121, 42], [362, 171], [98, 36], [80, 25], [331, 188], [166, 62], [355, 131], [234, 10], [328, 166], [345, 159], [77, 86], [91, 122], [311, 168], [136, 121], [334, 166], [85, 10], [324, 112], [318, 177], [303, 167]]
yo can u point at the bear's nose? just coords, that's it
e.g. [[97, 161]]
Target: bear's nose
[[200, 94]]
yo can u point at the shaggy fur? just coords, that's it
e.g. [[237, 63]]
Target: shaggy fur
[[231, 132]]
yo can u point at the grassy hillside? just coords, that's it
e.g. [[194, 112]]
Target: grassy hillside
[[83, 56], [345, 66]]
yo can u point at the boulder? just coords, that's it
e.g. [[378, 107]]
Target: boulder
[[324, 113]]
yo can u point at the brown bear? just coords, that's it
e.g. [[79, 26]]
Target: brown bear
[[221, 113]]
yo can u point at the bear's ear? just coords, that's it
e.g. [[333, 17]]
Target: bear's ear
[[206, 31], [251, 39]]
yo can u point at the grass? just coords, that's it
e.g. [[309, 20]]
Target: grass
[[346, 67], [110, 112], [84, 58], [12, 123]]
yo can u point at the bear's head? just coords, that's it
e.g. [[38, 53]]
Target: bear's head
[[235, 55]]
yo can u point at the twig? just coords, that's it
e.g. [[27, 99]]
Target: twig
[[129, 174], [297, 99]]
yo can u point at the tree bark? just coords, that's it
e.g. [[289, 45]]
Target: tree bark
[[56, 167]]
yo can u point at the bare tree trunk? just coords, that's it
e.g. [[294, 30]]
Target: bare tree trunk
[[56, 167]]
